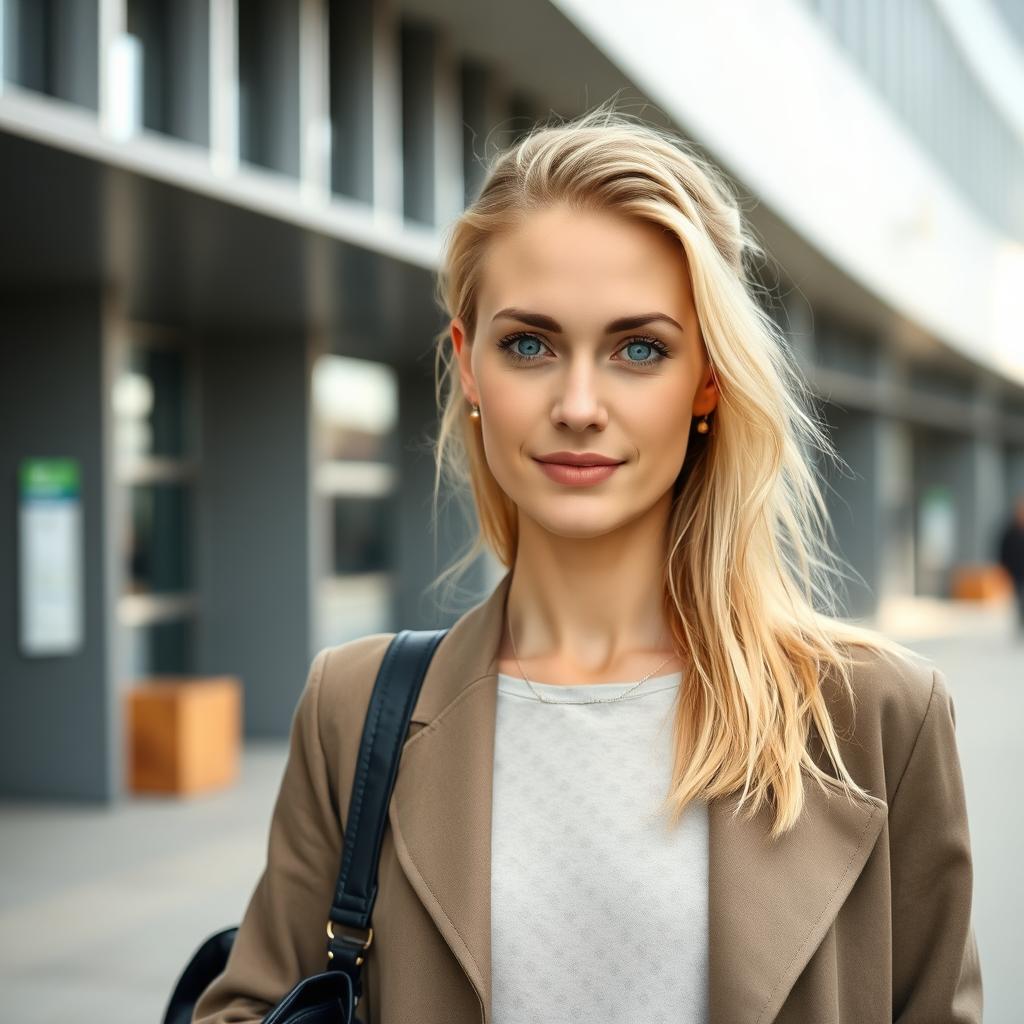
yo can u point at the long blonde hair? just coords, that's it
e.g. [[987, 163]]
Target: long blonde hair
[[748, 554]]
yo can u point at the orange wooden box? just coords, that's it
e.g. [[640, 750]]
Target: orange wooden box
[[184, 733], [981, 582]]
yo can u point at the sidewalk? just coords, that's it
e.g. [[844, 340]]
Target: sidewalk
[[115, 900], [925, 618], [111, 902]]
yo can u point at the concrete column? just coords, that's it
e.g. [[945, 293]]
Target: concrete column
[[59, 735], [981, 489], [895, 480], [871, 499], [856, 501], [1014, 472], [254, 521], [387, 113], [482, 109], [416, 607], [936, 513], [115, 82], [223, 76], [896, 494], [314, 99]]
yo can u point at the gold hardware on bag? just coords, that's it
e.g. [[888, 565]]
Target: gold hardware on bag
[[365, 945]]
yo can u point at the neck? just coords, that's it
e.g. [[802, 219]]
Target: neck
[[590, 607]]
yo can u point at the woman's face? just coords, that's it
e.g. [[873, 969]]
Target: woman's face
[[552, 371]]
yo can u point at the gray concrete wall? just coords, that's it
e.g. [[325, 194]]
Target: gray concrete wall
[[58, 732], [854, 498], [984, 497], [973, 470], [417, 606], [253, 521], [1014, 473]]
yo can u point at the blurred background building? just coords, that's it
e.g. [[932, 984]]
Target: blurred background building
[[220, 221]]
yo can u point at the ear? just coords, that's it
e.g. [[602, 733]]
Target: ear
[[706, 398], [463, 352]]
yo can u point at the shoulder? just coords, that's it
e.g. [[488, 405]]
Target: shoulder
[[893, 688], [332, 708], [878, 720], [344, 675]]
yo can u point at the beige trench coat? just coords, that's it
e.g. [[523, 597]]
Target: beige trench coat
[[861, 914]]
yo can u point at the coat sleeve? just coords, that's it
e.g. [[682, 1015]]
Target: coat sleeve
[[282, 936], [936, 970]]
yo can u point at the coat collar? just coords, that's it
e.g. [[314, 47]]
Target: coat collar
[[770, 903]]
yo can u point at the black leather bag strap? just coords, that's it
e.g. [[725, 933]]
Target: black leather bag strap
[[395, 691]]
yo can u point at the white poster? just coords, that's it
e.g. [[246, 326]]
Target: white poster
[[50, 557], [937, 529]]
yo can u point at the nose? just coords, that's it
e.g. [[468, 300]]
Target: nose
[[579, 405]]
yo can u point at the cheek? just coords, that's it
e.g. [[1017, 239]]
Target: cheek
[[507, 409], [661, 432], [508, 423]]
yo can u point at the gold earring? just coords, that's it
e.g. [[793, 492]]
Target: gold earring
[[703, 427], [474, 413]]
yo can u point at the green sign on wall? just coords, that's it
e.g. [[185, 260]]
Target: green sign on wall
[[50, 556]]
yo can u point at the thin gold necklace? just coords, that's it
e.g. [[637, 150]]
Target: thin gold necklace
[[596, 700]]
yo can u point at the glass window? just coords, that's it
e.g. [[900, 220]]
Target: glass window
[[356, 406], [155, 444], [158, 648], [268, 84], [52, 47], [152, 404], [169, 43], [158, 552], [363, 529]]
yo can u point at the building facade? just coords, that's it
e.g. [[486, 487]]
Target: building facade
[[220, 225]]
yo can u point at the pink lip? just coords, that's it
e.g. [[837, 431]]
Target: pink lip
[[576, 476]]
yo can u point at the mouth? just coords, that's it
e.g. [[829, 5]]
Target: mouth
[[577, 476], [567, 458]]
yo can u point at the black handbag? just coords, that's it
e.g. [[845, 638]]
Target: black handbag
[[331, 996]]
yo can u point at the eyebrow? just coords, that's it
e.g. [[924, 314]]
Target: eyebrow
[[546, 323]]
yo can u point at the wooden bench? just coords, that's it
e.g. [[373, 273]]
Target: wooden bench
[[981, 582], [184, 733]]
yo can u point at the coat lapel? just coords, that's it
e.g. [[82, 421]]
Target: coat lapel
[[770, 902]]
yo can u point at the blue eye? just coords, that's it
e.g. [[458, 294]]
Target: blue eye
[[649, 343], [514, 339], [506, 345]]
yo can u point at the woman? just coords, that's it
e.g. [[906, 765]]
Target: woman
[[662, 641]]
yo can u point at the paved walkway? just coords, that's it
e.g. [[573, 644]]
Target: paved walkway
[[112, 902], [985, 671]]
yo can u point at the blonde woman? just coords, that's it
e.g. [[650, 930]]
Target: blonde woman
[[650, 777]]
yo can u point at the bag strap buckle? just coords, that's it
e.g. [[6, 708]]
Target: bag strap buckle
[[348, 943]]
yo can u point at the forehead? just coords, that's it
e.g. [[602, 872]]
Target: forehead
[[564, 256]]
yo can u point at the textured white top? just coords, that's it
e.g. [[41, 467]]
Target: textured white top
[[599, 910]]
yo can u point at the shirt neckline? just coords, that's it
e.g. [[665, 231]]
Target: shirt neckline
[[584, 693]]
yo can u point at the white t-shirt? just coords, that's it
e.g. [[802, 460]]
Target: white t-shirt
[[599, 910]]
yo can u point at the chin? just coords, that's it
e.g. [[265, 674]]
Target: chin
[[573, 523]]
